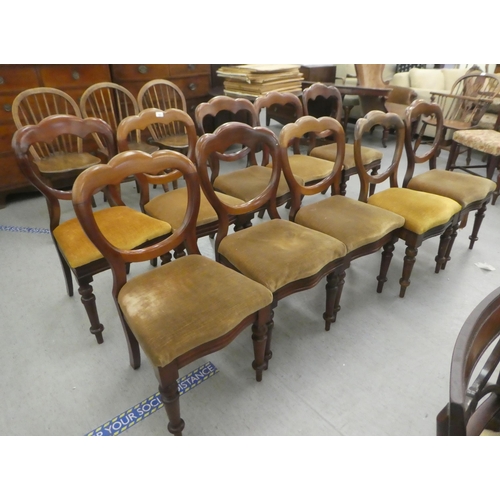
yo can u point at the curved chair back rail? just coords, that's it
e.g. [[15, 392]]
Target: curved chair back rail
[[475, 400], [363, 126]]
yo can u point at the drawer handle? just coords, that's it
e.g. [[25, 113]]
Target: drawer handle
[[142, 69], [192, 86], [75, 75], [2, 81], [191, 66], [7, 107]]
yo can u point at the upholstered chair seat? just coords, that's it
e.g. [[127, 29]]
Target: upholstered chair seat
[[464, 189], [248, 182], [171, 207], [329, 152], [309, 168], [421, 211], [176, 293], [124, 227], [286, 246], [486, 141], [363, 224]]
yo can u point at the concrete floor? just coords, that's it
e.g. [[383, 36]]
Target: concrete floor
[[382, 370]]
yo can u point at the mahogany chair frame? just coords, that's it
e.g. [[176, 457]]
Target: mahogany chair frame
[[416, 111], [474, 401], [46, 132], [232, 110], [152, 117], [139, 164], [412, 240], [326, 92], [329, 126], [256, 139]]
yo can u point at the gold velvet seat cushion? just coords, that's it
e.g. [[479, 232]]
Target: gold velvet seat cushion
[[171, 207], [65, 162], [463, 188], [278, 252], [185, 303], [486, 141], [249, 182], [421, 211], [310, 168], [124, 227], [329, 152], [351, 221]]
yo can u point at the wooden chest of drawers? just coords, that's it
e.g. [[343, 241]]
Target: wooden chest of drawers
[[72, 78]]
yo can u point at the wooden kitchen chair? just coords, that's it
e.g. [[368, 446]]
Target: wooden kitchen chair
[[279, 254], [371, 157], [124, 226], [113, 103], [473, 193], [66, 154], [185, 309], [163, 94], [426, 215], [363, 228]]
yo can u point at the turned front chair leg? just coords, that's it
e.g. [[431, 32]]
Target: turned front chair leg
[[169, 391], [259, 338], [334, 286], [408, 263], [444, 243], [88, 301], [385, 263], [478, 219]]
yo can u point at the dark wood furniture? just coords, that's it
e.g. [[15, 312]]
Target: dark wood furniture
[[170, 206], [15, 78], [311, 73], [473, 193], [474, 401], [193, 79], [185, 309], [283, 256], [318, 99], [364, 229], [426, 215]]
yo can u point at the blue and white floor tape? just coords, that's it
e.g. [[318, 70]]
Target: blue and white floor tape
[[147, 407], [19, 229]]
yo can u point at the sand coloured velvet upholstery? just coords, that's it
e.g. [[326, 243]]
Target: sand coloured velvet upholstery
[[65, 162], [365, 224], [463, 188], [279, 252], [329, 152], [170, 308], [486, 141], [309, 168], [171, 207], [246, 183], [124, 227], [421, 211]]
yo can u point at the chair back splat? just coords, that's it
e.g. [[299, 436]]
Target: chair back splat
[[283, 256], [185, 309], [474, 405]]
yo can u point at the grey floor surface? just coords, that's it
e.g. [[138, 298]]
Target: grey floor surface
[[382, 370]]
